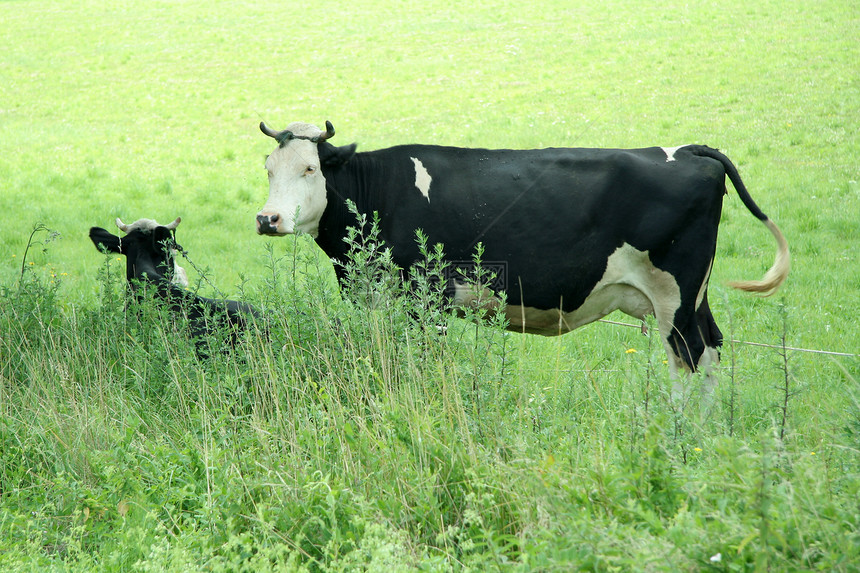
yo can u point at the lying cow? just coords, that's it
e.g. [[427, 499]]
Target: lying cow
[[150, 263], [577, 233]]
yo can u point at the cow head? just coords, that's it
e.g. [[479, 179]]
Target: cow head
[[149, 248], [297, 187]]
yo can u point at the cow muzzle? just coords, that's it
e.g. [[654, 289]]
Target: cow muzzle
[[268, 224]]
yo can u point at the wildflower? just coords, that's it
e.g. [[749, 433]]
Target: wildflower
[[811, 453], [630, 351], [697, 449]]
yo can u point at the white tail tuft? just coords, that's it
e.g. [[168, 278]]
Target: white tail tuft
[[776, 275]]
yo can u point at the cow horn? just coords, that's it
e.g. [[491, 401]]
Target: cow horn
[[329, 132], [174, 224], [269, 131], [122, 226], [282, 136]]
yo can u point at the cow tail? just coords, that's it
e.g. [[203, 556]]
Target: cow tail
[[777, 273]]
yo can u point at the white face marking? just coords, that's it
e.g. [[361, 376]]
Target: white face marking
[[422, 178], [631, 283], [297, 192], [670, 152]]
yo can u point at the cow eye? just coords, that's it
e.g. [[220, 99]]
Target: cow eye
[[310, 170]]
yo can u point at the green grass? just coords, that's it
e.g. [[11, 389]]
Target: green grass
[[363, 443]]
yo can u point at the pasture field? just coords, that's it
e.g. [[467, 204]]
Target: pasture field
[[343, 436]]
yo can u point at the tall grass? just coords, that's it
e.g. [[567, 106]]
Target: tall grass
[[347, 433]]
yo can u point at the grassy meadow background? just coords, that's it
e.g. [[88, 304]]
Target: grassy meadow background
[[362, 443]]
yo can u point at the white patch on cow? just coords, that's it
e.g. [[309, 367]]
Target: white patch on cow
[[670, 152], [631, 283], [468, 296], [143, 225], [180, 277], [422, 178], [704, 288]]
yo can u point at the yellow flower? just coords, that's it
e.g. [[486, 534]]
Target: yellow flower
[[697, 449], [630, 351], [811, 453]]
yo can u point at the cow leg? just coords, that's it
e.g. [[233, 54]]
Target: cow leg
[[710, 357], [693, 347], [683, 377], [679, 374]]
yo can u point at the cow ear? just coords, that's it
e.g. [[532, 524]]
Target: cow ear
[[105, 241], [331, 156]]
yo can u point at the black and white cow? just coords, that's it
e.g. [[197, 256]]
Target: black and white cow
[[150, 250], [578, 233]]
